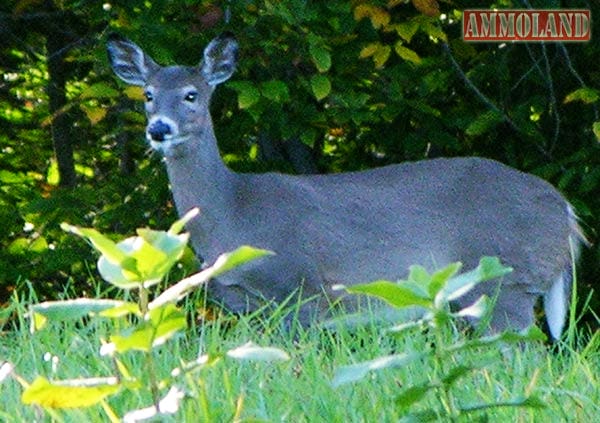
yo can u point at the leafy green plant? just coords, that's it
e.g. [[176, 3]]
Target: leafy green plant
[[433, 293], [138, 264]]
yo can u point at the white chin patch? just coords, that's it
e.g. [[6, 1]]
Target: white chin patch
[[166, 147]]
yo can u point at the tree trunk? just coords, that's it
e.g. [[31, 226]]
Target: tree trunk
[[61, 132]]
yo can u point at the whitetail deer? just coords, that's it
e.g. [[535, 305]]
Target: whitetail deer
[[352, 227]]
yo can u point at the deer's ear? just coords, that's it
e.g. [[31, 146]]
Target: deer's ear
[[128, 60], [220, 58]]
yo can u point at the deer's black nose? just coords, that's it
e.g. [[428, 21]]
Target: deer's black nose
[[159, 131]]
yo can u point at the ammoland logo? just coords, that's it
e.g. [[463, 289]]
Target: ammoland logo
[[527, 25]]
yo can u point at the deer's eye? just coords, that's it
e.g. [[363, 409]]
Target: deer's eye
[[148, 95], [191, 96]]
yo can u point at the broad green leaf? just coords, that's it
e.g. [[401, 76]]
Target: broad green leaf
[[407, 54], [100, 242], [484, 123], [320, 57], [355, 372], [224, 263], [585, 94], [153, 252], [238, 257], [532, 334], [115, 273], [396, 294], [427, 7], [432, 28], [165, 250], [381, 56], [248, 93], [441, 277], [95, 113], [53, 175], [379, 17], [369, 50], [253, 352], [276, 91], [478, 309], [159, 326], [488, 268], [167, 321], [406, 30], [121, 310], [74, 393], [413, 394], [68, 310], [531, 401], [179, 224], [134, 93], [596, 130], [423, 416], [321, 86], [99, 90], [456, 373]]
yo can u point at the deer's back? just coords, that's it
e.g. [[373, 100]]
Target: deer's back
[[355, 227]]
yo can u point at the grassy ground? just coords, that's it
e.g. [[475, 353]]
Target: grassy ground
[[567, 380]]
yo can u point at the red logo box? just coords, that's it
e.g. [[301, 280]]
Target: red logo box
[[562, 25]]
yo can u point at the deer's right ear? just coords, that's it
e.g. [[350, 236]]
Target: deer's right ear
[[220, 58], [128, 61]]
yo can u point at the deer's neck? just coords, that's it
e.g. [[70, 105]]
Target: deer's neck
[[200, 178]]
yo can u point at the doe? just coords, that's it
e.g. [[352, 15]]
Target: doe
[[351, 227]]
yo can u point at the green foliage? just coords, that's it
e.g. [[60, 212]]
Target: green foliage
[[136, 263], [433, 292]]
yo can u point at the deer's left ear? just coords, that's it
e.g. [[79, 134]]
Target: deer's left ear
[[220, 58]]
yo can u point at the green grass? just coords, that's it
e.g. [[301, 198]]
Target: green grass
[[567, 379]]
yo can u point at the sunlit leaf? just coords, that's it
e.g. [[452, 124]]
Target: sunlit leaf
[[248, 93], [379, 17], [478, 309], [178, 226], [238, 257], [407, 30], [123, 309], [103, 244], [134, 93], [320, 57], [381, 56], [69, 310], [586, 95], [69, 393], [159, 326], [355, 372], [488, 268], [393, 293], [169, 404], [99, 90], [427, 7], [440, 277], [407, 54], [484, 123], [321, 86], [253, 352], [94, 113], [596, 130], [166, 321], [52, 174], [275, 90], [369, 50], [413, 395]]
